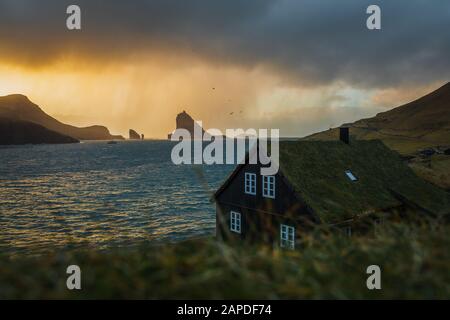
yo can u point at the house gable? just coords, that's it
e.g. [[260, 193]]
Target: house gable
[[286, 202]]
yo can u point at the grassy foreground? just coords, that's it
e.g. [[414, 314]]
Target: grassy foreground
[[414, 261]]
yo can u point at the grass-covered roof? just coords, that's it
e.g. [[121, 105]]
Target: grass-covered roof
[[316, 170]]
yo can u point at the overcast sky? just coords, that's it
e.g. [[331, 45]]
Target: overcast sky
[[300, 66]]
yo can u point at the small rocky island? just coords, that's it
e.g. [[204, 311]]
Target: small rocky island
[[135, 136]]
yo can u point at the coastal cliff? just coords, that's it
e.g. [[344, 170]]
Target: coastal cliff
[[19, 107]]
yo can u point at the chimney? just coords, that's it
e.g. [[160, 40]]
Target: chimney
[[344, 135]]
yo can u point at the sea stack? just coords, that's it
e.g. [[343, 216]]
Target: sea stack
[[134, 135], [185, 121]]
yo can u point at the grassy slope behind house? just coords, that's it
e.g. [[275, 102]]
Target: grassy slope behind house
[[414, 260], [425, 120], [420, 124]]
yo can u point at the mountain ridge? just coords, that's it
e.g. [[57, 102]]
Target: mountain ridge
[[424, 121], [418, 116]]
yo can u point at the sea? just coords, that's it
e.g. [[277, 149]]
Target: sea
[[100, 195]]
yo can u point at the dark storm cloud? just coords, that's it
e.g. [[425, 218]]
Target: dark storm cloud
[[309, 41]]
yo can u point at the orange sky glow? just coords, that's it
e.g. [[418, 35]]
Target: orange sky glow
[[146, 94]]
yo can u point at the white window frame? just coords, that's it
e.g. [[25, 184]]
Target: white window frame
[[268, 191], [235, 221], [250, 183], [287, 236]]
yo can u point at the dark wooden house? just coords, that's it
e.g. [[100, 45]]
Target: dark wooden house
[[319, 182]]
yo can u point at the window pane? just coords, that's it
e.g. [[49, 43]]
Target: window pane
[[269, 186], [235, 222], [287, 236], [250, 183]]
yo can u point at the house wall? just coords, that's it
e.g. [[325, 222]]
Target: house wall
[[261, 217], [256, 226]]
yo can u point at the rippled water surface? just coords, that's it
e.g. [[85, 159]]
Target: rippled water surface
[[95, 194]]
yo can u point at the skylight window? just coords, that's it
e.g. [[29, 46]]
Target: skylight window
[[351, 176]]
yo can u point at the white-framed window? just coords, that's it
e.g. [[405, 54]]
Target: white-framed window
[[235, 222], [287, 236], [268, 186], [250, 183]]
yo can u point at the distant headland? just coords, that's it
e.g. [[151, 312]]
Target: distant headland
[[23, 122], [14, 132]]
